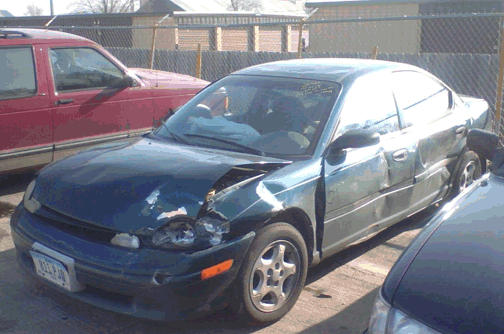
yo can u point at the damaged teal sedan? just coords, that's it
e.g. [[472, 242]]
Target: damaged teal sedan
[[262, 174]]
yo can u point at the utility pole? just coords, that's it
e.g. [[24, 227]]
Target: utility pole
[[52, 8]]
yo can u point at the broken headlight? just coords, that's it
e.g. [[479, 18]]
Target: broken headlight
[[185, 233]]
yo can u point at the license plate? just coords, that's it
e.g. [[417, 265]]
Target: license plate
[[51, 270]]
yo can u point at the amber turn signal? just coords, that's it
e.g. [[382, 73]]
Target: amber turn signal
[[216, 270]]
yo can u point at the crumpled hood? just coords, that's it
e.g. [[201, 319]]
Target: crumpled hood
[[155, 76], [126, 187]]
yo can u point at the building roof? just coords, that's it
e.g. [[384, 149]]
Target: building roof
[[288, 7], [4, 13], [321, 3]]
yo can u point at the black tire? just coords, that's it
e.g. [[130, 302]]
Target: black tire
[[469, 171], [266, 270]]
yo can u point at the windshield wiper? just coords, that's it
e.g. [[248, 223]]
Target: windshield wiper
[[243, 147], [175, 136]]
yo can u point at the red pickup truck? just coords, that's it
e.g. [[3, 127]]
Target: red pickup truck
[[60, 93]]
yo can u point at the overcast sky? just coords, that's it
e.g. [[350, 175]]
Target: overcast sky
[[18, 7]]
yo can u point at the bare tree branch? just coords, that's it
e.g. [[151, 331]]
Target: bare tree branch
[[245, 5], [32, 10], [102, 6]]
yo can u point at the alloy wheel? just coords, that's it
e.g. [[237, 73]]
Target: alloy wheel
[[274, 276], [467, 177]]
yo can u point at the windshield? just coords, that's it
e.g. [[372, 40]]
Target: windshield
[[255, 114]]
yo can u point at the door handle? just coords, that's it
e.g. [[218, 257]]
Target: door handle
[[461, 130], [64, 101], [400, 155]]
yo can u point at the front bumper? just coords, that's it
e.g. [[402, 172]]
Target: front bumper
[[122, 280]]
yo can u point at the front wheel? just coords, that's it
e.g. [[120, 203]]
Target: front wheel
[[273, 274]]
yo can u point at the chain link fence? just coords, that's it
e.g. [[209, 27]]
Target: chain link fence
[[460, 49]]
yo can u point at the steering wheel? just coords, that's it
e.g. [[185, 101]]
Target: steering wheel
[[305, 121]]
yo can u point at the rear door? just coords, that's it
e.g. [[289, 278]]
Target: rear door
[[26, 134], [364, 186], [88, 109], [427, 117]]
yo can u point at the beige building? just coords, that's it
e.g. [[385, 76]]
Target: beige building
[[389, 36], [192, 13], [474, 34], [276, 38]]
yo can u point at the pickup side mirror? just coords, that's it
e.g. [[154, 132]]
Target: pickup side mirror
[[128, 81], [125, 82], [484, 143], [354, 139]]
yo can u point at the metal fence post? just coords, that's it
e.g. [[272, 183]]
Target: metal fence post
[[374, 52], [198, 61], [498, 103], [300, 39], [153, 45]]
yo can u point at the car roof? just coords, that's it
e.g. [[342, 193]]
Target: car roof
[[41, 35], [330, 69]]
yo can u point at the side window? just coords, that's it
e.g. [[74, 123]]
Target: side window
[[421, 98], [82, 69], [369, 105], [17, 73]]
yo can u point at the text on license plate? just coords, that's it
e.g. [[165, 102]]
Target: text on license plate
[[51, 270]]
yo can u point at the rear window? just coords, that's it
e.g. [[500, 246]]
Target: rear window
[[17, 73]]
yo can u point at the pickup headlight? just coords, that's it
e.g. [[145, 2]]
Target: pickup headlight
[[389, 320], [182, 233]]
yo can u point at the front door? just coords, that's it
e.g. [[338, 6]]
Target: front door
[[88, 108]]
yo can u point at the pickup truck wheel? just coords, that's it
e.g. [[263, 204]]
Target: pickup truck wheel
[[469, 171], [272, 275]]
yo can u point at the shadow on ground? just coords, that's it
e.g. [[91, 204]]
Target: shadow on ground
[[15, 182], [352, 314], [414, 222]]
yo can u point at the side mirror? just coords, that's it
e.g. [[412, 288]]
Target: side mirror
[[125, 82], [128, 81], [484, 143], [354, 139]]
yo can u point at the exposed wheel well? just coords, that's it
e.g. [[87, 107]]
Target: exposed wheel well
[[301, 222]]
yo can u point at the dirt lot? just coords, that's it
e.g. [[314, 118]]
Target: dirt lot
[[338, 296]]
